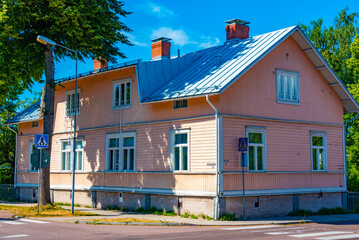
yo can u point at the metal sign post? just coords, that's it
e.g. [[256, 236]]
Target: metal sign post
[[243, 147], [38, 186]]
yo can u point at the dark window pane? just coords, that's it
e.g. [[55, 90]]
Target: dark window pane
[[132, 159], [259, 158], [128, 141], [317, 141], [315, 167], [125, 158], [122, 95], [114, 142], [251, 158], [181, 138], [128, 93], [184, 158], [117, 95], [176, 158], [255, 137]]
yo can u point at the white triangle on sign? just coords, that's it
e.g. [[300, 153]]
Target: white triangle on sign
[[41, 142], [243, 144]]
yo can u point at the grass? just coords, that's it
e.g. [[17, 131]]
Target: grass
[[119, 220], [45, 211], [228, 217], [66, 204]]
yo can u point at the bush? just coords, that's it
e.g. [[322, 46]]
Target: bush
[[301, 213], [140, 210], [194, 216], [228, 217], [209, 218], [169, 213], [331, 211], [185, 215]]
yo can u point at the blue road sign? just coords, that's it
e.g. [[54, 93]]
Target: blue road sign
[[41, 140], [243, 145]]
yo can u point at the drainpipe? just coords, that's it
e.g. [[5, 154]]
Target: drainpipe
[[216, 205], [15, 170], [345, 148]]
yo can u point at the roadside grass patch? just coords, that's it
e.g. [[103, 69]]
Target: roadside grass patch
[[119, 220], [228, 217], [66, 204], [45, 211]]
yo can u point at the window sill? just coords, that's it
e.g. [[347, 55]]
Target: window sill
[[121, 107], [288, 102]]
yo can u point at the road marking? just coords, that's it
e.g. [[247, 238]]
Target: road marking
[[284, 229], [286, 232], [317, 234], [340, 237], [252, 227], [15, 236], [32, 220], [12, 222]]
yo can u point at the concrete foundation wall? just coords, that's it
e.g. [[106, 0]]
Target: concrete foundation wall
[[316, 201]]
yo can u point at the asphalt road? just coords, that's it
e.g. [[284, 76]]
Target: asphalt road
[[34, 229]]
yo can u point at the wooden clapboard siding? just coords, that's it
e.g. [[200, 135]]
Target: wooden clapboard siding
[[260, 181], [24, 153], [254, 93], [175, 181], [288, 144]]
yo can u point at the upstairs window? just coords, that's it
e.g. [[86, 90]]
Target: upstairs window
[[319, 151], [180, 150], [288, 87], [122, 93], [34, 124], [121, 152], [70, 103], [180, 104]]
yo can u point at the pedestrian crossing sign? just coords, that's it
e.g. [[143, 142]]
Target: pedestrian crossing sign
[[243, 144], [41, 140]]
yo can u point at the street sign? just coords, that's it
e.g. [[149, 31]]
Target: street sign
[[41, 140], [243, 145], [35, 156]]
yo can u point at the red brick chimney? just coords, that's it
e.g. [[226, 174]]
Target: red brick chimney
[[99, 65], [161, 48], [237, 29]]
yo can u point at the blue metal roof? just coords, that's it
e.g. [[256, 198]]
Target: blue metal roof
[[208, 71], [32, 113]]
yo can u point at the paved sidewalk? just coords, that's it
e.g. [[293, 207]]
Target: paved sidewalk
[[176, 220]]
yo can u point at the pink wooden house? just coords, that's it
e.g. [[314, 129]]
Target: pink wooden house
[[164, 133]]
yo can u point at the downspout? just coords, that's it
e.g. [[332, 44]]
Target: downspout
[[216, 205], [345, 148], [15, 170]]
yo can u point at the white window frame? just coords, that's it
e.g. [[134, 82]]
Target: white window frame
[[72, 92], [71, 151], [296, 81], [121, 149], [317, 148], [31, 146], [255, 145], [119, 82], [173, 145]]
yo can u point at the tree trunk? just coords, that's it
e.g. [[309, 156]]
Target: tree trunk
[[48, 115]]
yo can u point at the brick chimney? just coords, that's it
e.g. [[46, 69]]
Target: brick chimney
[[237, 29], [161, 48], [99, 65]]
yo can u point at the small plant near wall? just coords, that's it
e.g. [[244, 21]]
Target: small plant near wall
[[185, 215], [228, 217]]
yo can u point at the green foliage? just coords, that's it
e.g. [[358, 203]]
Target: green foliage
[[185, 215], [140, 210], [193, 216], [322, 211], [228, 217], [334, 42], [94, 28]]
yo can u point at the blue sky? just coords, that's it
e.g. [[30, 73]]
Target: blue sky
[[195, 24]]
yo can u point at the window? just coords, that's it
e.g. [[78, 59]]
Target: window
[[256, 202], [179, 150], [67, 155], [256, 149], [121, 152], [32, 148], [120, 197], [122, 93], [70, 102], [180, 104], [34, 124], [319, 151], [288, 87]]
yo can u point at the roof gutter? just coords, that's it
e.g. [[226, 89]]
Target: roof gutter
[[216, 204], [15, 170]]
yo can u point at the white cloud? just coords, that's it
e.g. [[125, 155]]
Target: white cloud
[[134, 41], [209, 42], [179, 37], [158, 10]]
